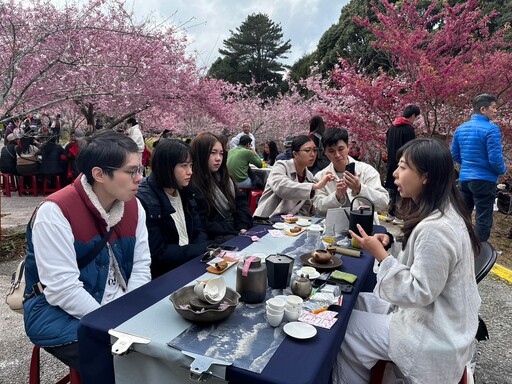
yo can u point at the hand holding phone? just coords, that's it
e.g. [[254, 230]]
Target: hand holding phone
[[351, 167]]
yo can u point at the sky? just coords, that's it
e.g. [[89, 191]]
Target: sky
[[208, 22]]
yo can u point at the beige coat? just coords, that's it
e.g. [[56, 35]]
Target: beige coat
[[284, 194]]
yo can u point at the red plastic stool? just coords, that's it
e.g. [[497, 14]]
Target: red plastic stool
[[253, 199], [72, 377], [22, 189], [47, 180], [9, 183], [379, 368]]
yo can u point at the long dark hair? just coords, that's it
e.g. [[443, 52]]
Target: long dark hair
[[203, 179], [432, 157], [165, 157], [273, 152]]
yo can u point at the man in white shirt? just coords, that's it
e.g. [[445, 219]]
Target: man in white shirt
[[363, 181], [69, 271], [246, 130], [135, 133]]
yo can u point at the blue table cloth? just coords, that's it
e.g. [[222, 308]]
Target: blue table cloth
[[295, 361]]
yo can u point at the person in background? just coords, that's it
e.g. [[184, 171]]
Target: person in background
[[339, 192], [13, 124], [246, 130], [238, 162], [290, 186], [477, 148], [135, 133], [176, 234], [70, 154], [423, 312], [67, 226], [316, 130], [270, 152], [222, 207], [51, 157], [8, 156], [287, 154], [401, 132], [27, 156], [55, 127], [354, 151]]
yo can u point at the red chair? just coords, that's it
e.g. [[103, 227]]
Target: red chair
[[379, 368], [72, 377], [22, 186], [9, 183], [47, 180], [253, 200]]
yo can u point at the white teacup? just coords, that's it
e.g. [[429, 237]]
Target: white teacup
[[303, 222], [211, 291], [275, 320], [308, 271], [274, 312], [276, 304], [294, 301], [279, 225], [291, 315]]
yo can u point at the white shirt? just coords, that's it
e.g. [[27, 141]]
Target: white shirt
[[136, 135], [235, 141], [58, 270], [179, 218]]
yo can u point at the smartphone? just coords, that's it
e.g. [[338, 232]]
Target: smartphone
[[229, 248], [351, 167]]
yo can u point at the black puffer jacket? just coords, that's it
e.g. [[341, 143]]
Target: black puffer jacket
[[166, 253]]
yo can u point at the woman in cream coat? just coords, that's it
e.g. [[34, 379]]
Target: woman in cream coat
[[423, 312], [290, 186]]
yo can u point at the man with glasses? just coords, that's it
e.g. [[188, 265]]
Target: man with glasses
[[96, 221]]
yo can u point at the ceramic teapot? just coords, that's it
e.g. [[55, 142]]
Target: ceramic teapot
[[362, 216], [302, 287]]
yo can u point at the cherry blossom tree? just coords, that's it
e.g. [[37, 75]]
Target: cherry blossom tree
[[96, 58], [442, 59]]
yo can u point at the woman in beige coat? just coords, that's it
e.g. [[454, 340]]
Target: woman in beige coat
[[290, 186]]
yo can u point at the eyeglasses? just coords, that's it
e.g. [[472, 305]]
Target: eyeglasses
[[309, 150], [134, 172]]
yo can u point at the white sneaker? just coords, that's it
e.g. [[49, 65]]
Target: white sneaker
[[398, 221]]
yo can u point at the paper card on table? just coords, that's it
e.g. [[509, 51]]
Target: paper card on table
[[255, 238], [316, 320], [276, 233]]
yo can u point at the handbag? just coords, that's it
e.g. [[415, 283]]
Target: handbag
[[16, 293]]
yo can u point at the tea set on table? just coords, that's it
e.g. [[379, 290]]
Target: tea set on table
[[211, 300]]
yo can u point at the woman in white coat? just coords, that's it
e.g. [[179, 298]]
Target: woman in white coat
[[423, 312], [290, 186]]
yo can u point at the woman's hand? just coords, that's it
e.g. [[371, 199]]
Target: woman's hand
[[323, 181], [372, 244]]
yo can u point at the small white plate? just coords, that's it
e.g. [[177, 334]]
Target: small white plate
[[299, 330], [303, 223], [315, 227], [279, 226]]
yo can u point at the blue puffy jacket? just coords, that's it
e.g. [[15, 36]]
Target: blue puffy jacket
[[477, 147]]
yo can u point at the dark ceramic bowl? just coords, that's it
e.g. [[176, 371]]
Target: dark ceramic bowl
[[181, 301]]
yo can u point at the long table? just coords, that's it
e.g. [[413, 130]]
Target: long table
[[295, 361]]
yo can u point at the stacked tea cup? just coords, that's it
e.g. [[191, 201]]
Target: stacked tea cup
[[293, 307], [275, 311]]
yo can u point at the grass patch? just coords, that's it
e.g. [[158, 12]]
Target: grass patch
[[12, 247]]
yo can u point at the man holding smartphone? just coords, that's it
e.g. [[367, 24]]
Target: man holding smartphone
[[352, 178]]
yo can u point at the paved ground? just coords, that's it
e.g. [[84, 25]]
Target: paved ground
[[495, 355]]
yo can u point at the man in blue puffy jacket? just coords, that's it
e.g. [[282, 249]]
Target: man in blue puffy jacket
[[477, 148]]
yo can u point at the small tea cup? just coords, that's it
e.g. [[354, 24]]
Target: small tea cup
[[211, 291], [291, 315], [275, 320], [294, 301], [276, 304]]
